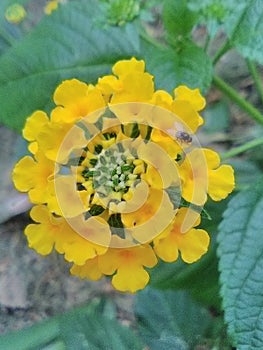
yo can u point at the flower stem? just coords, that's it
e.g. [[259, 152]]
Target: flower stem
[[243, 148], [222, 50], [150, 40], [238, 99], [254, 72], [207, 42]]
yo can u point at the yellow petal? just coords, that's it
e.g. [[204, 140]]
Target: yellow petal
[[153, 177], [68, 197], [194, 173], [194, 192], [151, 219], [94, 103], [40, 238], [40, 214], [154, 155], [124, 67], [140, 85], [57, 141], [129, 264], [116, 258], [93, 229], [146, 208], [44, 169], [76, 248], [108, 84], [137, 87], [166, 142], [69, 91], [183, 221], [88, 105], [212, 158], [34, 124], [52, 231], [184, 214], [62, 115], [167, 249], [110, 261], [193, 244], [186, 115], [131, 112], [130, 280], [51, 6], [33, 147], [162, 99], [192, 96], [24, 173], [145, 256], [89, 270], [221, 179], [221, 182]]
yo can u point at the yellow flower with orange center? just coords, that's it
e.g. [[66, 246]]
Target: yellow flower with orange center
[[116, 175]]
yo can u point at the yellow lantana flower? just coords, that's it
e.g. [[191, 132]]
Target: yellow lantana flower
[[75, 100], [111, 171], [15, 13], [192, 244], [52, 5], [54, 232], [32, 175], [130, 83], [202, 174], [126, 266], [129, 265]]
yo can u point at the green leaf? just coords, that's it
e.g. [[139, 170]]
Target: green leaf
[[82, 328], [247, 36], [190, 66], [165, 314], [169, 342], [72, 42], [200, 278], [213, 13], [178, 20], [217, 118], [246, 172], [240, 254], [242, 20]]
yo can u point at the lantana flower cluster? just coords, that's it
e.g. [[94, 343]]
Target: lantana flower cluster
[[117, 176]]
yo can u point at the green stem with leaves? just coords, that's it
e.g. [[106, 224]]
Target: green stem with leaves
[[241, 149], [222, 50], [257, 79], [238, 99], [207, 42], [150, 40]]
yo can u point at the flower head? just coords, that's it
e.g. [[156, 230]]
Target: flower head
[[52, 5], [15, 13], [118, 178]]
